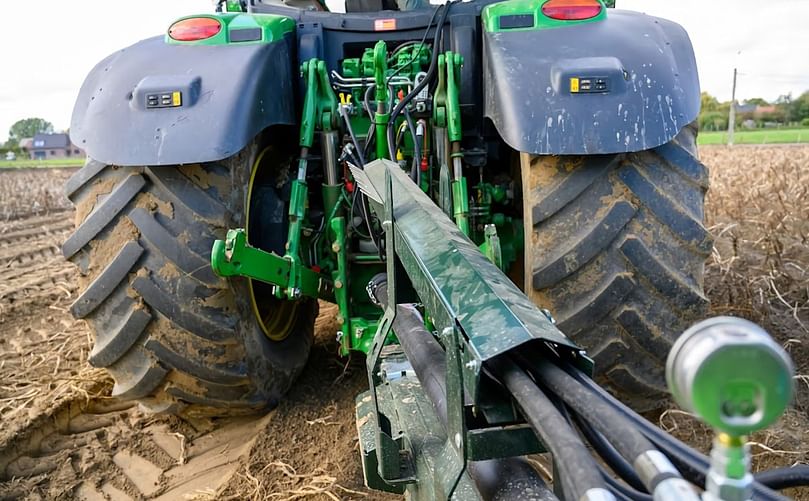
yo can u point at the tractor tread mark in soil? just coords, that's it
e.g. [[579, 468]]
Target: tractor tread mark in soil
[[618, 252], [167, 329]]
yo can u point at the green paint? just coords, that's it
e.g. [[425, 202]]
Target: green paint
[[273, 28], [382, 116], [319, 102], [491, 247], [233, 257], [492, 13], [340, 279], [460, 205], [234, 6]]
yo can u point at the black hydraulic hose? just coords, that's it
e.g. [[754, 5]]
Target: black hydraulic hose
[[784, 478], [692, 464], [347, 120], [608, 453], [578, 472], [430, 72], [497, 480], [650, 464], [622, 491]]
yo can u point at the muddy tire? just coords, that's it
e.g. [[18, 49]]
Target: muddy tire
[[171, 333], [616, 248]]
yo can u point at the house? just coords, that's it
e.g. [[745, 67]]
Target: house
[[48, 146]]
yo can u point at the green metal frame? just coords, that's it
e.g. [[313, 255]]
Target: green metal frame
[[479, 315]]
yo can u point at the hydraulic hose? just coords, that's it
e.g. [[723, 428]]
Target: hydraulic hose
[[784, 478], [653, 468], [691, 463], [347, 120], [578, 471], [430, 72], [622, 491], [608, 453]]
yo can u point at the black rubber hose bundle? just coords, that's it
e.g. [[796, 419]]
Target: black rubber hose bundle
[[578, 471], [690, 463]]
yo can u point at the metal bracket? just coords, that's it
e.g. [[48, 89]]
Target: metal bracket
[[234, 257], [395, 462]]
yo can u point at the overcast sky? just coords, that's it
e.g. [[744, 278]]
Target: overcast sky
[[49, 50]]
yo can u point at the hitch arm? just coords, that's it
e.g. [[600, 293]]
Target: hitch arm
[[234, 257]]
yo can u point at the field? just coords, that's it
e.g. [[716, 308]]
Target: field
[[37, 164], [759, 136], [63, 438]]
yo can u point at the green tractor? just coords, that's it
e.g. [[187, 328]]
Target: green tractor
[[511, 180]]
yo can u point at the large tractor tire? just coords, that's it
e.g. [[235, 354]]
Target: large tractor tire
[[615, 249], [172, 334]]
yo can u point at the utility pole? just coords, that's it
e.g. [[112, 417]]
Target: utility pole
[[732, 117]]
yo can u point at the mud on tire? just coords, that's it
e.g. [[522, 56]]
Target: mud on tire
[[170, 332], [615, 248]]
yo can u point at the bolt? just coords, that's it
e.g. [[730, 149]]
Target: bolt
[[339, 336], [458, 440], [472, 365], [340, 320], [296, 293], [335, 247], [548, 315], [338, 284]]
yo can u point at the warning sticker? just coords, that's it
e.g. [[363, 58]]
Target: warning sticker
[[384, 24]]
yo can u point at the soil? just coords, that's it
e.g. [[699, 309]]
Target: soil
[[63, 437]]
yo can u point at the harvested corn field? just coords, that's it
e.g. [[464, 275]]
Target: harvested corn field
[[64, 438]]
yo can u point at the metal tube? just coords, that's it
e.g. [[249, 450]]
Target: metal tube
[[329, 148]]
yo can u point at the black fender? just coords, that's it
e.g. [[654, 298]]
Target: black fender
[[230, 93], [646, 63]]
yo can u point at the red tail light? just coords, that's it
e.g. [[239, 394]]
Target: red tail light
[[571, 10], [195, 28]]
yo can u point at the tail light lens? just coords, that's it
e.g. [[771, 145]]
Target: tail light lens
[[195, 28], [571, 10]]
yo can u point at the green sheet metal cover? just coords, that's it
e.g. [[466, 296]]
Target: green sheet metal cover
[[454, 280]]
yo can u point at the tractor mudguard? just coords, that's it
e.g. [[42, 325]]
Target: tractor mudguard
[[626, 83], [228, 94]]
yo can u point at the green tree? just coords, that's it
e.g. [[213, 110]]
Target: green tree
[[757, 101], [29, 127], [708, 102], [799, 108], [713, 120]]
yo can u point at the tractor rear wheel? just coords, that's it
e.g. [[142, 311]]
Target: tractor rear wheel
[[172, 334], [615, 249]]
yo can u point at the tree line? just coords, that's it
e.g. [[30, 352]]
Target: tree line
[[785, 111]]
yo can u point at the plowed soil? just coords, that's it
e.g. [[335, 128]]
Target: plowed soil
[[62, 437]]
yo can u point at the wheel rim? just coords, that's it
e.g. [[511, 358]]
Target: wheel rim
[[275, 316]]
